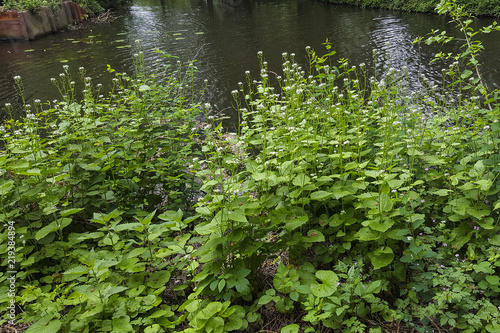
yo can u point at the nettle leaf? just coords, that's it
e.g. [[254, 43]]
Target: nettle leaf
[[328, 284], [381, 257], [77, 270]]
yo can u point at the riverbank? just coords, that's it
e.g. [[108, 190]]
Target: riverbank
[[337, 205], [476, 7]]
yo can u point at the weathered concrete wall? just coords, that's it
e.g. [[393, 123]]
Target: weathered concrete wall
[[28, 26]]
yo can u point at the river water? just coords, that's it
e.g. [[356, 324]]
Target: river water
[[225, 36]]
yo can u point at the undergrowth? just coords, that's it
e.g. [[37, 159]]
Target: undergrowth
[[342, 202]]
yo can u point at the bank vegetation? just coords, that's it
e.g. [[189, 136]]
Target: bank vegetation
[[342, 202]]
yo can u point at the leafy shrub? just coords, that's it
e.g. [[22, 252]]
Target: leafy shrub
[[341, 201]]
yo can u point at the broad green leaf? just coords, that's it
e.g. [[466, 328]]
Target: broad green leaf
[[301, 180], [45, 325], [294, 223], [292, 328], [385, 202], [6, 186], [442, 192], [381, 257], [144, 87], [69, 212], [381, 224], [318, 195], [203, 210], [366, 234], [122, 324], [493, 279], [314, 236], [328, 284], [237, 215], [46, 230]]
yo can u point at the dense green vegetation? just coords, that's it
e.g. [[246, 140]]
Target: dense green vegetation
[[343, 201], [92, 6], [478, 7]]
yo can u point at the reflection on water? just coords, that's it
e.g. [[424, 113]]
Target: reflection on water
[[225, 36]]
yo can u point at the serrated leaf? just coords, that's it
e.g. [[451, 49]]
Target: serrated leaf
[[78, 270]]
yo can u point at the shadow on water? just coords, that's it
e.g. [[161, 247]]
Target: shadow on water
[[225, 36]]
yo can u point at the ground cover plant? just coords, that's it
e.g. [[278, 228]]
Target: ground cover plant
[[342, 202]]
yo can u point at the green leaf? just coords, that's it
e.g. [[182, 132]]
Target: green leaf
[[45, 325], [318, 195], [68, 212], [441, 192], [237, 215], [301, 180], [314, 236], [155, 328], [385, 202], [46, 230], [203, 210], [493, 279], [6, 186], [122, 324], [381, 224], [296, 222], [292, 328], [381, 257], [144, 87], [77, 270], [328, 284]]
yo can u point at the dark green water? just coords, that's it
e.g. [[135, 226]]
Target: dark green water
[[225, 36]]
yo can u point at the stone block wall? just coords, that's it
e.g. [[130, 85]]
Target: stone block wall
[[26, 25]]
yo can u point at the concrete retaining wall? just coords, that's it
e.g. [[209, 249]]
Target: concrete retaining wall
[[26, 25]]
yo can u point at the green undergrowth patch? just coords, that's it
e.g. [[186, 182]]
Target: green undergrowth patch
[[478, 7], [342, 202]]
